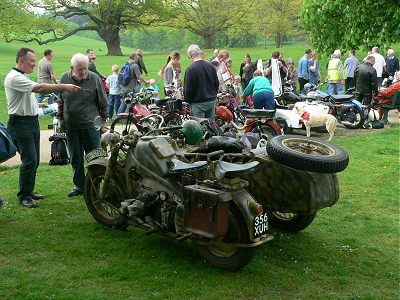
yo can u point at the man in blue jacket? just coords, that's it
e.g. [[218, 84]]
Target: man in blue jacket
[[303, 71]]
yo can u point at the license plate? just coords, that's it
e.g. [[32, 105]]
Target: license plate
[[95, 153], [260, 225]]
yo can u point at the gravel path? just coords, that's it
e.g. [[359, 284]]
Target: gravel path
[[45, 145]]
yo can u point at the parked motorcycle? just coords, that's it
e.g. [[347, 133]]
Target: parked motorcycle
[[260, 122], [349, 111], [152, 189], [138, 116]]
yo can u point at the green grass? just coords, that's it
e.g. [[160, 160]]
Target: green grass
[[350, 251]]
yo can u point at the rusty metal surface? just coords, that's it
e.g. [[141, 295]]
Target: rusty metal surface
[[284, 189]]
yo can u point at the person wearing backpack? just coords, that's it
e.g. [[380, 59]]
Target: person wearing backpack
[[130, 78]]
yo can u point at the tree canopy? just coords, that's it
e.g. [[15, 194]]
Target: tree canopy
[[341, 24], [277, 18], [206, 18], [106, 17]]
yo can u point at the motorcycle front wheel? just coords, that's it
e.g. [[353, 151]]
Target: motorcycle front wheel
[[353, 119], [307, 154], [223, 255], [290, 222], [123, 124], [105, 211]]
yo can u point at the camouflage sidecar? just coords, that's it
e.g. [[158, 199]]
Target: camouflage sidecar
[[296, 179]]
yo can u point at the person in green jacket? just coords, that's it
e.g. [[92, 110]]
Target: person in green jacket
[[260, 88]]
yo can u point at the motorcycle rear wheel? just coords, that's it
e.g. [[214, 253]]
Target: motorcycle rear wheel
[[123, 124], [353, 119], [290, 222], [106, 211], [221, 254], [264, 131]]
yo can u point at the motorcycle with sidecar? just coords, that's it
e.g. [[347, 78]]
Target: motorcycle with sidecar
[[223, 202]]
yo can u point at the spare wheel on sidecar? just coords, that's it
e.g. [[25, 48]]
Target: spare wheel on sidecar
[[307, 154]]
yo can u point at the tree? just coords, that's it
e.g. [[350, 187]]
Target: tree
[[106, 17], [340, 24], [277, 18], [206, 18]]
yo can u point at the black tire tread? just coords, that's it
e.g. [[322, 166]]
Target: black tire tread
[[318, 164], [298, 223]]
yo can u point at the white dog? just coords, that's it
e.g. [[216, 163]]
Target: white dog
[[314, 120]]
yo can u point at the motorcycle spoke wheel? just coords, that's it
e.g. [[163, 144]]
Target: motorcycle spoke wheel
[[314, 148], [353, 118], [123, 125], [105, 211], [222, 253], [307, 154]]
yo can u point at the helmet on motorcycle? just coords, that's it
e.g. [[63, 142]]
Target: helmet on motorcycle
[[192, 131], [312, 96], [224, 113]]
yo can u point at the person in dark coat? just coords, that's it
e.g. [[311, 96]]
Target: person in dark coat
[[392, 63], [366, 80]]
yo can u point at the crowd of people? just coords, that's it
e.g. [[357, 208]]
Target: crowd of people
[[85, 93]]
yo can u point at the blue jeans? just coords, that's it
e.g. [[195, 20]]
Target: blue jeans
[[335, 89], [26, 134], [80, 142], [264, 100], [114, 101], [204, 110]]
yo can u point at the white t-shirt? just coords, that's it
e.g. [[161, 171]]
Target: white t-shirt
[[379, 64], [20, 98]]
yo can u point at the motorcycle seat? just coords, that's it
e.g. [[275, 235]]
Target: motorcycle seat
[[179, 167], [231, 170], [258, 113], [342, 98]]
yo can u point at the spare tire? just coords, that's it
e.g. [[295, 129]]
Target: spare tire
[[307, 154]]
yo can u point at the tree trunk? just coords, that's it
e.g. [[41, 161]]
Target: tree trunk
[[208, 39], [278, 40], [113, 42]]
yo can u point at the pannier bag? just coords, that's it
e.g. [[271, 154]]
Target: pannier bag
[[7, 147], [59, 150]]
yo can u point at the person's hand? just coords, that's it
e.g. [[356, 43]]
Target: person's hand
[[71, 88], [341, 81], [104, 127]]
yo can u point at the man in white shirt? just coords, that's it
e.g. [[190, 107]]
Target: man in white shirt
[[23, 120], [380, 64]]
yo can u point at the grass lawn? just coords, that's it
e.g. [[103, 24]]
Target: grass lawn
[[351, 251]]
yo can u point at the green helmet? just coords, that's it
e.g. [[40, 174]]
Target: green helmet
[[192, 131]]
